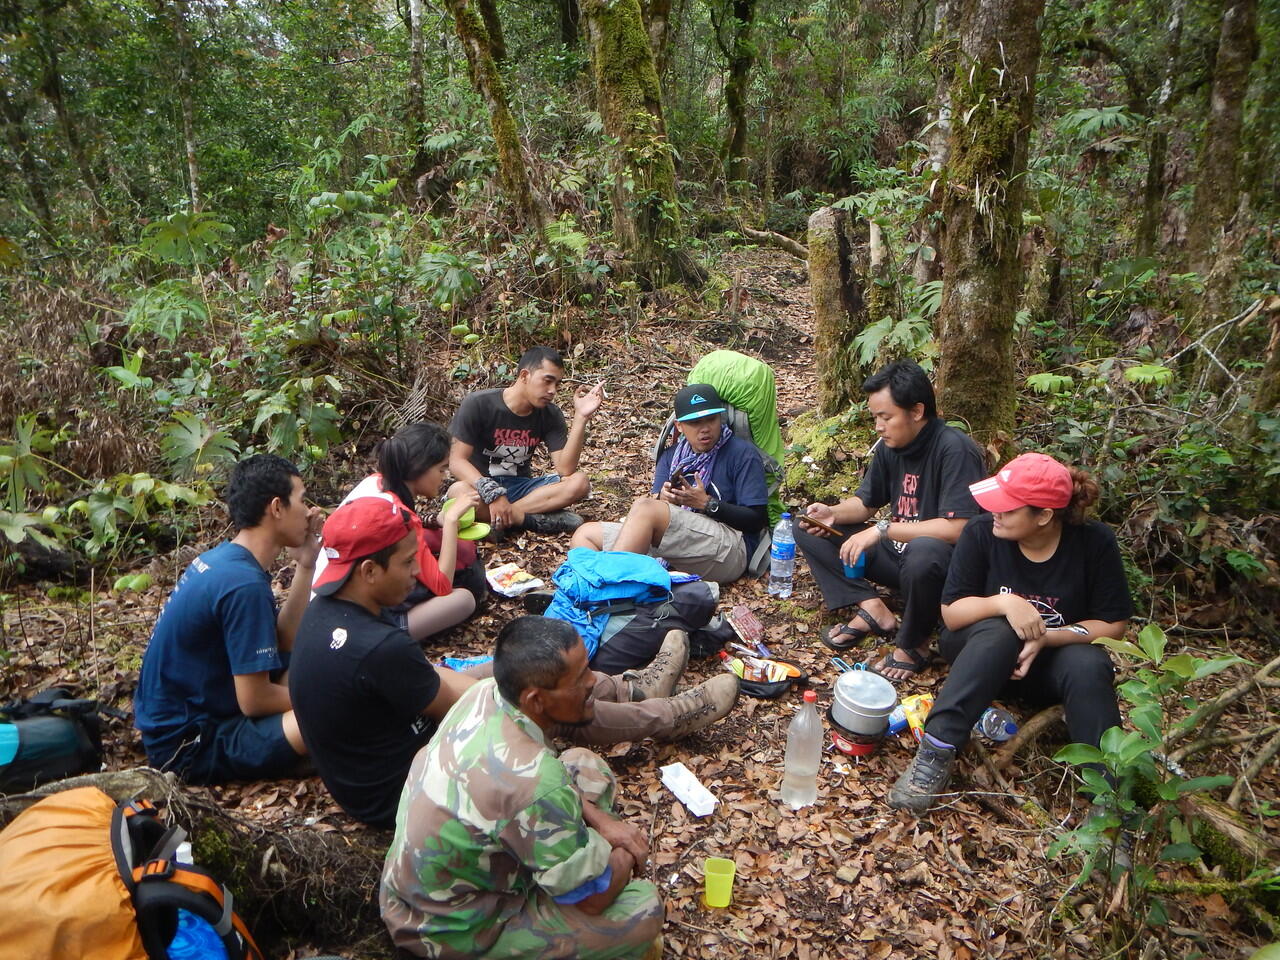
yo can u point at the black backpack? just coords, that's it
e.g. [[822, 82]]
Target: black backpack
[[49, 737]]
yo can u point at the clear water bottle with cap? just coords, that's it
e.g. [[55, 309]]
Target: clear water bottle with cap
[[996, 724], [782, 559], [804, 754]]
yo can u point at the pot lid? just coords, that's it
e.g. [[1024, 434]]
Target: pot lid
[[865, 690]]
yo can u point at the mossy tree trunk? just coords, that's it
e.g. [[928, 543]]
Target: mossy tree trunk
[[838, 266], [992, 107], [1217, 165], [646, 212], [186, 98], [657, 24], [497, 41], [417, 55], [733, 36], [512, 169]]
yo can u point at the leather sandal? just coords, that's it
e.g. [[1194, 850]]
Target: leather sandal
[[855, 635]]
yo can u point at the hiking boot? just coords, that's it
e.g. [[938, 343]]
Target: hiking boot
[[659, 678], [558, 521], [924, 779], [702, 706]]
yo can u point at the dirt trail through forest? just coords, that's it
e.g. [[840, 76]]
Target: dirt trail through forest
[[845, 878]]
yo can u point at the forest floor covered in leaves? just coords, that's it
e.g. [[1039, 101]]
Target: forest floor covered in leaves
[[845, 878]]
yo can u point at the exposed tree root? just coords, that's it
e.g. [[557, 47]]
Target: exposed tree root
[[798, 250]]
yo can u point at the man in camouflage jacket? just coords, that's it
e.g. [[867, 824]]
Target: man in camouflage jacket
[[503, 848]]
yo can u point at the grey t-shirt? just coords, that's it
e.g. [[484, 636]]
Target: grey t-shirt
[[502, 443]]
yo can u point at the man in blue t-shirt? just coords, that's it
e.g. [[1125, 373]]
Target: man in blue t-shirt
[[707, 506], [212, 702]]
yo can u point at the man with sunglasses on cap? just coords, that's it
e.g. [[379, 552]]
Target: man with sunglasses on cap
[[707, 508], [367, 699]]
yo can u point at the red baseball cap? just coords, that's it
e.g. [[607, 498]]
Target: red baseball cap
[[1030, 480], [355, 530]]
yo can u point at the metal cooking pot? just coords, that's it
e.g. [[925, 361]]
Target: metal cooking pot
[[863, 701]]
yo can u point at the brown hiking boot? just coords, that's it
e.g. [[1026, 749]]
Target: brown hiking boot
[[664, 671], [702, 706]]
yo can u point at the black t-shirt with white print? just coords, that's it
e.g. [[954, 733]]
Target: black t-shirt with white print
[[359, 684], [502, 443], [1083, 580], [927, 479]]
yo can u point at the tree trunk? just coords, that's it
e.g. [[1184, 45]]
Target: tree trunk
[[15, 129], [52, 87], [741, 55], [1217, 186], [186, 58], [992, 108], [568, 12], [1158, 149], [838, 266], [512, 171], [497, 42], [1153, 194], [928, 265], [1266, 399], [657, 20], [646, 210], [417, 55]]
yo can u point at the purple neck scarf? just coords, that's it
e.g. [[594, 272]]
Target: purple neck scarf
[[684, 460]]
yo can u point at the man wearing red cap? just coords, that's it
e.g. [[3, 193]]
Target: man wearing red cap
[[367, 699], [1031, 585]]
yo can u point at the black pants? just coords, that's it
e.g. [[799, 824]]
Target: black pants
[[983, 655], [918, 573]]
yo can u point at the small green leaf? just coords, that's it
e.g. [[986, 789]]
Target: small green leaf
[[1078, 753], [1205, 783], [1121, 646], [1181, 853], [1152, 640]]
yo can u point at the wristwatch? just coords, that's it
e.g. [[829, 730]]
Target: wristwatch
[[882, 528], [712, 507]]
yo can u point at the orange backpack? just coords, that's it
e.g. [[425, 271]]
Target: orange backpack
[[83, 876]]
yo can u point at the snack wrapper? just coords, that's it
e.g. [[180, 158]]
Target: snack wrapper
[[917, 709], [510, 580]]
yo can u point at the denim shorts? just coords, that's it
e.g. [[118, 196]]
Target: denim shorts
[[518, 487], [237, 748]]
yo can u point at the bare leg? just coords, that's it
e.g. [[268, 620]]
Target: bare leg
[[589, 535], [544, 499], [644, 527], [293, 734], [440, 613]]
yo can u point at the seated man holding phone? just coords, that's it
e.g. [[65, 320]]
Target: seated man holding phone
[[707, 509], [922, 470]]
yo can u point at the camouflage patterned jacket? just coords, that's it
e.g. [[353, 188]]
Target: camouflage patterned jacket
[[489, 814]]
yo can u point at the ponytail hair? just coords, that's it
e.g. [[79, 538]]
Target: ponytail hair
[[1084, 494], [409, 453]]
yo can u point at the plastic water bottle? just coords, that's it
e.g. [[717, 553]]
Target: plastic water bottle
[[996, 724], [804, 754], [782, 563]]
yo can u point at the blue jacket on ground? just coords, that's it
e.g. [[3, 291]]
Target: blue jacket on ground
[[589, 579]]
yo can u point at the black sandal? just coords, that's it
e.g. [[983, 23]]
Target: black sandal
[[855, 635], [917, 665]]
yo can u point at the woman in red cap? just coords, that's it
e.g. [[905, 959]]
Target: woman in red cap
[[1031, 584], [412, 463]]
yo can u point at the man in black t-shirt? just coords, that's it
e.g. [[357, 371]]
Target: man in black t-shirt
[[495, 433], [921, 469], [366, 699]]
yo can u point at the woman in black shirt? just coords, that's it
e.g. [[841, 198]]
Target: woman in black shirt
[[1030, 585]]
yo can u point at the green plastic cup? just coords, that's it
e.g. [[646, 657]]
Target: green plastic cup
[[718, 875]]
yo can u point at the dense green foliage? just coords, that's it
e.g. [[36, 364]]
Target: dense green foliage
[[348, 251]]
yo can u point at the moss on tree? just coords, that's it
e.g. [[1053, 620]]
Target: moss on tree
[[646, 210], [837, 266], [826, 456], [992, 105]]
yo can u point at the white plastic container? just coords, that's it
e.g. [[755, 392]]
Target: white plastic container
[[863, 702], [804, 755]]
